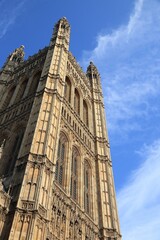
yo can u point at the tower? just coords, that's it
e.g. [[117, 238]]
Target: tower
[[56, 178]]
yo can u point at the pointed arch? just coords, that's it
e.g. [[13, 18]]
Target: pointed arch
[[61, 158], [34, 84], [74, 173], [85, 112], [21, 90], [76, 101], [67, 89], [8, 97], [87, 187]]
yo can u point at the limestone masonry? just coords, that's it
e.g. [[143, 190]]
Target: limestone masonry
[[56, 178]]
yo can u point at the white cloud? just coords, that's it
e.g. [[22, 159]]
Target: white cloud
[[9, 13], [138, 201], [128, 60]]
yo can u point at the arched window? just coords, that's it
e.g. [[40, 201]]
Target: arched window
[[34, 83], [21, 90], [76, 101], [67, 90], [74, 174], [85, 113], [87, 187], [59, 174], [8, 97]]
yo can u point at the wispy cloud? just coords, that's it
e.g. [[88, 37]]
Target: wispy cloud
[[10, 10], [138, 201], [128, 60]]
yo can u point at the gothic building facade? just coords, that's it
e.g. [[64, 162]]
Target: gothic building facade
[[56, 178]]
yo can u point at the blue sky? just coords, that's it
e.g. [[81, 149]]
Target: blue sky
[[123, 39]]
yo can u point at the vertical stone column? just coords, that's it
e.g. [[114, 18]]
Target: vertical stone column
[[108, 217], [36, 192]]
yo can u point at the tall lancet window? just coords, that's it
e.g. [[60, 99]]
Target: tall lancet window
[[59, 174], [8, 97], [67, 90], [85, 113], [74, 174], [34, 84], [21, 90], [76, 101], [87, 187]]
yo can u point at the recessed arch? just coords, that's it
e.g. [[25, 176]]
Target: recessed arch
[[9, 96], [85, 113], [67, 89], [34, 83], [87, 186], [22, 87], [77, 101], [61, 158], [75, 166]]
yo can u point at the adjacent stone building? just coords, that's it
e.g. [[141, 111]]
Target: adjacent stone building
[[56, 178]]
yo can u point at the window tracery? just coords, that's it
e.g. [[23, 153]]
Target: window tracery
[[76, 101], [85, 112], [87, 187], [74, 174], [59, 174]]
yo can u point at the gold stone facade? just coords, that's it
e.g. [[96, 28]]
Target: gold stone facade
[[56, 178]]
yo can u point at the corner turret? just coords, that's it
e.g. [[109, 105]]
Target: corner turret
[[92, 70], [62, 31], [94, 77], [13, 60], [18, 55]]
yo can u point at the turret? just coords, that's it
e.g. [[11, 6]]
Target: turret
[[13, 60], [62, 32], [6, 73], [94, 77], [58, 49], [108, 219]]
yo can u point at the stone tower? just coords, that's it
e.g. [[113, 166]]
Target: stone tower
[[56, 178]]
